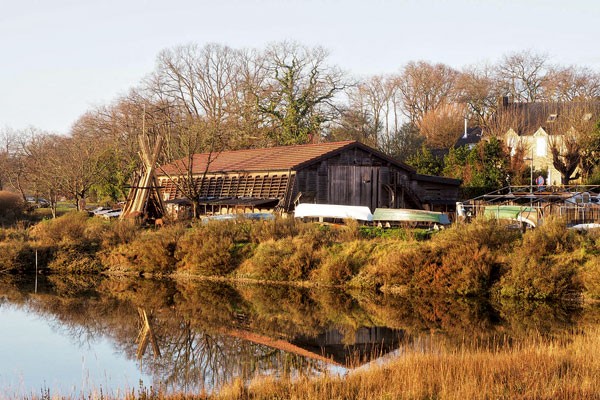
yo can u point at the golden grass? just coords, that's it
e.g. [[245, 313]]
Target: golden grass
[[559, 369]]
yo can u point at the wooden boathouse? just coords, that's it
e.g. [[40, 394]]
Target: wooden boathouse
[[278, 178]]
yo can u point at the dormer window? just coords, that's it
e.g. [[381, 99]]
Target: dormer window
[[552, 117], [587, 117]]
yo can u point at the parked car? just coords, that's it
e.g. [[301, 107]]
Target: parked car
[[37, 202]]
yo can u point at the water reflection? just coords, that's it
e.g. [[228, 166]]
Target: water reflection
[[196, 336]]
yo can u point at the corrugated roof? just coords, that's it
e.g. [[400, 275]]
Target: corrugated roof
[[274, 158]]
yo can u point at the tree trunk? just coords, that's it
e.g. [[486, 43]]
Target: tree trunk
[[195, 208]]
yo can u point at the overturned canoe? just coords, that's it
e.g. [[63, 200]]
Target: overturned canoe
[[524, 214], [408, 215], [333, 211]]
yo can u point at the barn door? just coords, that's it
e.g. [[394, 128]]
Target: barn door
[[353, 185]]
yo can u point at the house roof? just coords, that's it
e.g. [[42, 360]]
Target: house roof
[[267, 159], [552, 116], [473, 137], [437, 179]]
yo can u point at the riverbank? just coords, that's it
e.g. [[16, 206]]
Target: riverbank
[[484, 258]]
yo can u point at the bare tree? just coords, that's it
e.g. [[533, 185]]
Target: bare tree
[[72, 164], [38, 150], [523, 75], [18, 171], [424, 87], [572, 84], [512, 117], [355, 124], [193, 90], [7, 150], [478, 89], [443, 126]]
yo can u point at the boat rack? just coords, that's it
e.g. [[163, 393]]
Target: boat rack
[[578, 204]]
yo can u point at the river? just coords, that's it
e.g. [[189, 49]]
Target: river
[[81, 336]]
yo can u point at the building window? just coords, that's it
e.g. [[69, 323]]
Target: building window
[[552, 117], [540, 147]]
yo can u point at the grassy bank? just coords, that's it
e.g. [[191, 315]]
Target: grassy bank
[[483, 258]]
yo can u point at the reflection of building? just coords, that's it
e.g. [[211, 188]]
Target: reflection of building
[[332, 347], [346, 173], [366, 345]]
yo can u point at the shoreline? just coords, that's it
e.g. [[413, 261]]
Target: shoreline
[[483, 258]]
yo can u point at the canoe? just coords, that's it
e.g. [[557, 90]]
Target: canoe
[[233, 217], [527, 215], [409, 215], [333, 211]]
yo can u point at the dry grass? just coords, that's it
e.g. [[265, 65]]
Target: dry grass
[[559, 369]]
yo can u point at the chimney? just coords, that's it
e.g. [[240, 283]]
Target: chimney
[[465, 134]]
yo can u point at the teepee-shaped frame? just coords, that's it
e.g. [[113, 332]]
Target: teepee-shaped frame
[[144, 199]]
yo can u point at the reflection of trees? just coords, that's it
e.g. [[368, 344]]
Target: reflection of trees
[[194, 360], [210, 333]]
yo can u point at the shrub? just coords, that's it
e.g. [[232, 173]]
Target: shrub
[[119, 232], [11, 207], [456, 261], [482, 232], [279, 228], [213, 249], [395, 264], [151, 252], [281, 260], [465, 270], [590, 276], [16, 256], [343, 261], [71, 228], [74, 259], [544, 266]]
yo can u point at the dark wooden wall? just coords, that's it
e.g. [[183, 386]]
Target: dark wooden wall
[[353, 177]]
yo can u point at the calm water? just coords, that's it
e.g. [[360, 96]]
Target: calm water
[[74, 336]]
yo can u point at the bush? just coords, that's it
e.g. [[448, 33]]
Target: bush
[[545, 265], [71, 228], [11, 207], [281, 260], [462, 260], [119, 232], [482, 232], [74, 259], [152, 252], [590, 276], [342, 262], [276, 229], [213, 249], [16, 256]]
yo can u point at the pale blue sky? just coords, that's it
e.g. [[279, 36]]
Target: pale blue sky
[[63, 57]]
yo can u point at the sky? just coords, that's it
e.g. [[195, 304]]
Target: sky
[[61, 58]]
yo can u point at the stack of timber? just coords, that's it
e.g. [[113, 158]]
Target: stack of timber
[[144, 200]]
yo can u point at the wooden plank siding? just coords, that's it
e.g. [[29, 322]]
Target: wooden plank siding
[[354, 185], [357, 178]]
